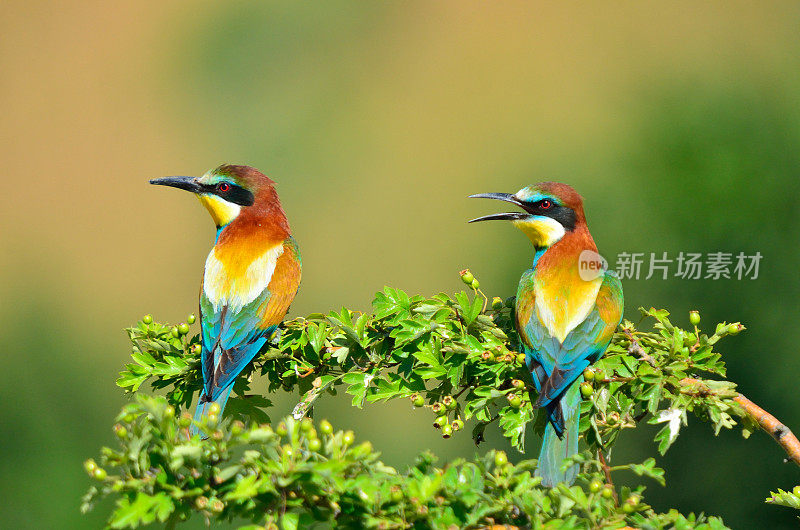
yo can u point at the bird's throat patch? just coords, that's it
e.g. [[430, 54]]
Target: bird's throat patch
[[542, 231], [222, 211]]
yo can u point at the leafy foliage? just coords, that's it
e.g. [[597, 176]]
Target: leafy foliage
[[299, 474], [450, 355]]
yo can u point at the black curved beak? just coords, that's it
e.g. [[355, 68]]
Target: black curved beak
[[509, 216], [184, 183]]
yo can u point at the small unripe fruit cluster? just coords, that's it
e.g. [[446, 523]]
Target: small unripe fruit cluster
[[468, 278], [694, 317], [631, 504]]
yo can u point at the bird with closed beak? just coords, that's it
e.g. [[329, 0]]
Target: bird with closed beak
[[251, 275], [567, 309]]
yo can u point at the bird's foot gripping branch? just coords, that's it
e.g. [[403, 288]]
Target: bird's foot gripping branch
[[455, 360]]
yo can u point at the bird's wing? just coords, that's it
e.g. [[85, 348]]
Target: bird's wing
[[232, 337], [561, 363]]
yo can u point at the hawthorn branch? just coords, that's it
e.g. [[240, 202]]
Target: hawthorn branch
[[769, 423]]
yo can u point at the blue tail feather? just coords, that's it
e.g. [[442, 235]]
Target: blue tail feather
[[202, 407], [555, 449]]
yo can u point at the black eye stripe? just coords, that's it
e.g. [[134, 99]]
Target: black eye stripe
[[564, 215], [235, 194]]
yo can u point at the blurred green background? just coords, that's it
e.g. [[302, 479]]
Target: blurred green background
[[679, 124]]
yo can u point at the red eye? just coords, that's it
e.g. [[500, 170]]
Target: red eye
[[223, 187], [545, 204]]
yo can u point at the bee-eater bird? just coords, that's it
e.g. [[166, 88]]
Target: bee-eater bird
[[567, 309], [251, 275]]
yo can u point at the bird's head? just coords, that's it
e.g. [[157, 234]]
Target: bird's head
[[227, 191], [551, 210]]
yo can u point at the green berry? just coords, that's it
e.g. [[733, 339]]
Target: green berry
[[169, 412], [306, 424], [631, 504], [281, 430], [588, 374], [608, 491], [201, 502], [191, 319], [197, 348], [217, 435], [99, 474], [500, 458], [796, 491], [212, 419], [437, 408], [587, 390], [497, 303], [515, 401], [449, 403], [214, 408], [467, 277], [595, 486], [521, 358], [314, 445], [476, 284], [518, 384], [120, 431], [397, 494], [694, 317], [216, 506], [487, 356], [174, 332], [90, 465], [185, 421], [417, 400], [183, 328], [447, 431], [440, 422], [325, 427], [457, 425], [147, 319], [734, 329], [287, 450], [348, 438], [237, 428]]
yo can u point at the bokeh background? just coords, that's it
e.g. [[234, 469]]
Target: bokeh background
[[679, 123]]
